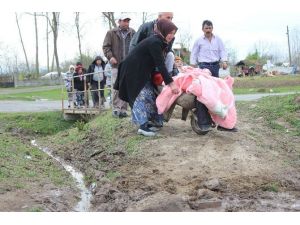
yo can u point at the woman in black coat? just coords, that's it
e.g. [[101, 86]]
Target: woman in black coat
[[79, 83], [97, 80], [134, 76]]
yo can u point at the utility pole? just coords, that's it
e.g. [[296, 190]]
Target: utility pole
[[288, 36]]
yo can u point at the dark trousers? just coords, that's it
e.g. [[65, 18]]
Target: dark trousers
[[95, 94], [213, 68], [203, 115]]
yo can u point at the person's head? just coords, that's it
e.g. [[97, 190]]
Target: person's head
[[98, 60], [71, 68], [124, 21], [79, 69], [165, 16], [78, 64], [207, 27], [178, 61], [166, 28]]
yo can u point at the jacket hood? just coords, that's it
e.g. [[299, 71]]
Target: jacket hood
[[102, 61], [71, 66]]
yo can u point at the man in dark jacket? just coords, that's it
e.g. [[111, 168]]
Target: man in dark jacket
[[115, 48], [146, 30], [97, 80]]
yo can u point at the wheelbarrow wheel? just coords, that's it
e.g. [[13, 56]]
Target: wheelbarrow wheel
[[195, 127]]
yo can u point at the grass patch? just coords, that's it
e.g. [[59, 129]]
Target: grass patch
[[113, 131], [54, 94], [258, 84], [36, 209], [22, 165], [42, 123], [133, 143], [112, 175], [267, 82], [273, 187], [266, 90], [279, 112]]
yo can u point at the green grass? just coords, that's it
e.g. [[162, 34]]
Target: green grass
[[42, 123], [272, 187], [279, 108], [112, 175], [266, 90], [258, 84], [114, 132], [23, 164], [103, 133], [267, 82], [55, 94]]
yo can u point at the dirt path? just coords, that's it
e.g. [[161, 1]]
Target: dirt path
[[252, 170], [256, 169]]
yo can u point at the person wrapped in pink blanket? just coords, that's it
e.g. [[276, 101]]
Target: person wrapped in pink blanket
[[215, 93]]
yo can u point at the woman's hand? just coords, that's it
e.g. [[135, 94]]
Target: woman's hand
[[174, 88]]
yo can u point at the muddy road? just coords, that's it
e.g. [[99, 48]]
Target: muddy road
[[255, 169], [252, 170]]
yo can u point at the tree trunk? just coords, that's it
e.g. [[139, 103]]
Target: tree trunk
[[47, 40], [20, 34], [110, 18], [144, 18], [52, 62], [36, 47], [54, 26], [78, 33]]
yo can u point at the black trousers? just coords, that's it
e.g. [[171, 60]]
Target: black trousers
[[95, 95], [203, 115]]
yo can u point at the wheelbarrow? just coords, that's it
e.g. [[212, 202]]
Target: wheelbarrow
[[188, 104]]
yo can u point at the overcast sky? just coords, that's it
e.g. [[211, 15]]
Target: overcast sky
[[240, 24]]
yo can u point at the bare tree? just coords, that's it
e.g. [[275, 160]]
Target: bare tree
[[47, 40], [78, 33], [54, 27], [184, 41], [52, 62], [36, 46], [20, 34], [144, 17], [295, 46], [147, 16], [109, 17]]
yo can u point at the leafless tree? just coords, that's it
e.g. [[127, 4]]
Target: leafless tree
[[184, 40], [109, 17], [36, 46], [268, 51], [54, 27], [78, 33], [47, 40], [147, 16], [295, 46], [20, 34]]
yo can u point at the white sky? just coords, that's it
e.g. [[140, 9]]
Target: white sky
[[240, 24]]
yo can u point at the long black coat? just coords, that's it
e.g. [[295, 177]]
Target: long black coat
[[135, 71]]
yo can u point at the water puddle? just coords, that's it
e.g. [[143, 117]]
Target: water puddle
[[86, 193]]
